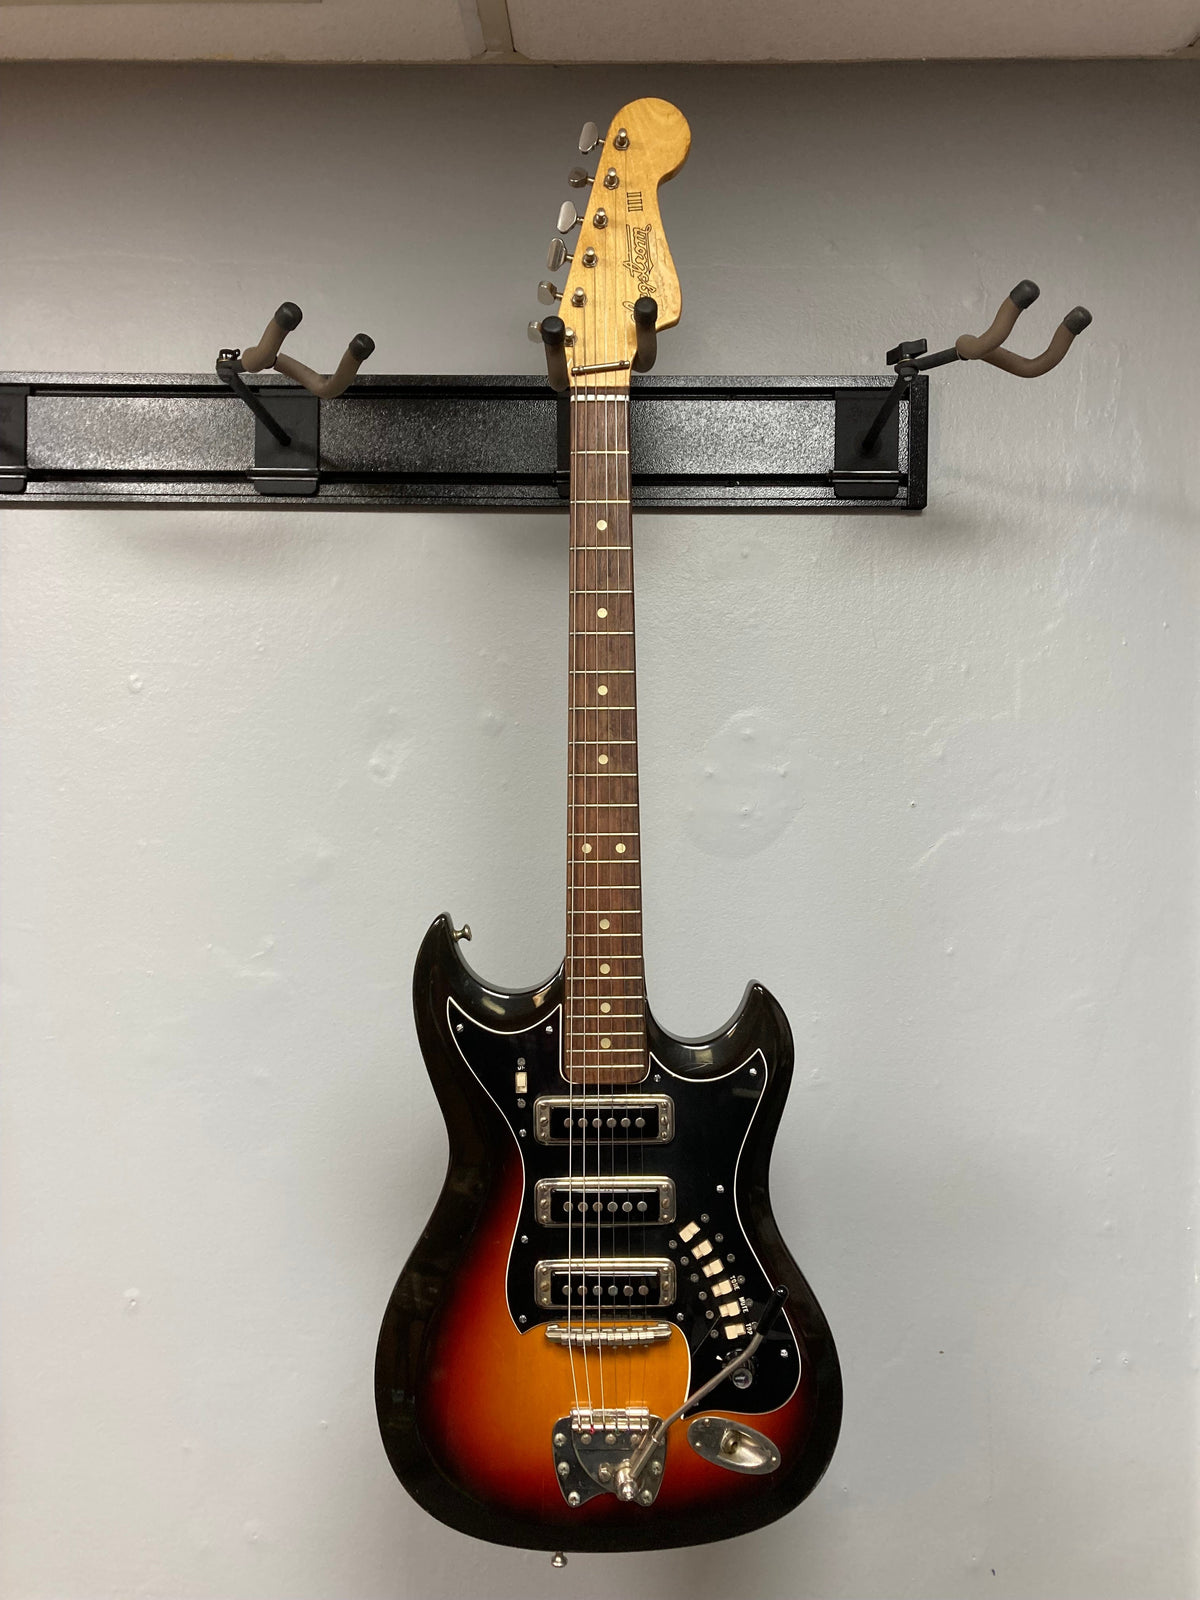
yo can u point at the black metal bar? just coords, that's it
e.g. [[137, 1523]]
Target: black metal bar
[[488, 442]]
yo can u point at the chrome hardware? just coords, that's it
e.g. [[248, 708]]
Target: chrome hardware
[[578, 178], [568, 217], [602, 366], [616, 1333], [771, 1312], [589, 137], [611, 178], [600, 220], [611, 1201], [461, 933], [598, 1284], [579, 298], [638, 1118], [733, 1445], [589, 257], [556, 255], [535, 332], [558, 1559], [596, 1448], [743, 1377], [621, 140], [548, 292]]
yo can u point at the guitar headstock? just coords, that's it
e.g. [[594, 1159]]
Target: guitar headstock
[[620, 254]]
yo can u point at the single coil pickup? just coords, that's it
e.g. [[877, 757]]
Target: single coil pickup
[[591, 1119], [558, 1202], [606, 1283], [608, 1334]]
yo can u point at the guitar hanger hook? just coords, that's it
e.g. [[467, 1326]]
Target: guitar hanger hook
[[232, 363], [910, 358]]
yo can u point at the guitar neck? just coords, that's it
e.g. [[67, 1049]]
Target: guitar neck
[[605, 990]]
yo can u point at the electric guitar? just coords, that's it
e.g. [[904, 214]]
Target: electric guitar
[[600, 1341]]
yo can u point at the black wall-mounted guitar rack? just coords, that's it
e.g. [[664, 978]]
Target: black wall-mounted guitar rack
[[471, 443], [347, 442]]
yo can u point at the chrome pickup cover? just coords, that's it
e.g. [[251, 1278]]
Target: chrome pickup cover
[[608, 1283], [593, 1202], [623, 1119]]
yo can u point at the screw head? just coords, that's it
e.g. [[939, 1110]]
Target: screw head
[[572, 1500]]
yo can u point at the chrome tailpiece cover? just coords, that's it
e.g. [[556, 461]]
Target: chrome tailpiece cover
[[593, 1450]]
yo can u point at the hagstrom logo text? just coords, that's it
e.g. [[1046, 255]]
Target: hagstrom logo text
[[639, 262]]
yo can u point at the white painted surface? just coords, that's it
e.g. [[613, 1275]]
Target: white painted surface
[[249, 757], [619, 30]]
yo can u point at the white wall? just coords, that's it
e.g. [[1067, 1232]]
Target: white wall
[[249, 757]]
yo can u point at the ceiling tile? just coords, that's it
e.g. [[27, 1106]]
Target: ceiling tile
[[850, 30], [333, 30]]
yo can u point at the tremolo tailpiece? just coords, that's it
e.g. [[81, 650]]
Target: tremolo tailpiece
[[623, 1452], [593, 1450]]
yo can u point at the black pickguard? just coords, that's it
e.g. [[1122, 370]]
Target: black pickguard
[[712, 1117]]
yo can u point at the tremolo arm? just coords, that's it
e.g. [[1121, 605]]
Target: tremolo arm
[[630, 1471]]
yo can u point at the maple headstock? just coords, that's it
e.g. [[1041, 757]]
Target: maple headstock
[[621, 253]]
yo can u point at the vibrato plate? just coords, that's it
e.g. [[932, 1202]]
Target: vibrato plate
[[592, 1451]]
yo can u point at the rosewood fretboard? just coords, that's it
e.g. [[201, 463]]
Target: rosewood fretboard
[[605, 992]]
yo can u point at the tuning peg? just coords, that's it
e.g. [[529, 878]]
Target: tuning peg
[[568, 217], [579, 177], [535, 333], [589, 137], [556, 255], [548, 292]]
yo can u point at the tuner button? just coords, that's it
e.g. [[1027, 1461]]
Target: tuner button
[[535, 333], [568, 217], [589, 137], [548, 292], [556, 255], [579, 178]]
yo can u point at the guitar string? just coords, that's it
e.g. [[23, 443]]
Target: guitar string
[[626, 582], [580, 866], [593, 819], [568, 1043]]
